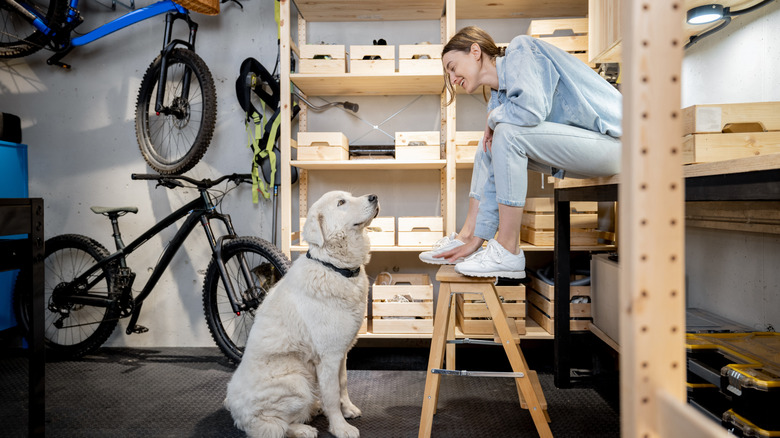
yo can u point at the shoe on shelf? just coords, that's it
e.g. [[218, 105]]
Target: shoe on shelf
[[494, 261], [441, 246]]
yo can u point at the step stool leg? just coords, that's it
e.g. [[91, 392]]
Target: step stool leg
[[435, 359], [518, 362], [450, 353]]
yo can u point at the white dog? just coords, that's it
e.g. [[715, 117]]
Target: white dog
[[295, 361]]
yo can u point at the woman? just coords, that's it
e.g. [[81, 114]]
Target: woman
[[548, 112]]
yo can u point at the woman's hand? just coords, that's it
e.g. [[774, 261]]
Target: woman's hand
[[464, 250], [487, 139]]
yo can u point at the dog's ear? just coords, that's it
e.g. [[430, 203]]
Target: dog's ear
[[312, 231]]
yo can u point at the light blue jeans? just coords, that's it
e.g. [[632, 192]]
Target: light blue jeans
[[500, 175]]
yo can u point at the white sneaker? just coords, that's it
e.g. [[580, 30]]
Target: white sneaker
[[441, 246], [494, 261]]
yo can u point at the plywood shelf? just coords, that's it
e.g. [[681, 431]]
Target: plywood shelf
[[370, 165], [402, 10], [532, 331], [349, 84], [524, 246]]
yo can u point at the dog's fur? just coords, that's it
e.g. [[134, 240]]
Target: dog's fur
[[295, 358]]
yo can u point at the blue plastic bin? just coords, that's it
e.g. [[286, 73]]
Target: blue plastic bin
[[13, 184]]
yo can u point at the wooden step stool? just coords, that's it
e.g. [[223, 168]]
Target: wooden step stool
[[528, 388]]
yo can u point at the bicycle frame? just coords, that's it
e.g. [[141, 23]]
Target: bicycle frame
[[197, 211]]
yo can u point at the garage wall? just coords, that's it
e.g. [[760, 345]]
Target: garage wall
[[734, 274], [79, 126]]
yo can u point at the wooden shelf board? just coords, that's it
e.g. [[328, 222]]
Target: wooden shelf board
[[532, 331], [348, 84], [370, 10], [738, 165], [524, 246], [473, 9], [370, 165]]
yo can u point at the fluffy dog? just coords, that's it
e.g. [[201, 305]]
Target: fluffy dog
[[295, 359]]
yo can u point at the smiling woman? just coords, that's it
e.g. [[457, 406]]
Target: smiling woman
[[549, 112]]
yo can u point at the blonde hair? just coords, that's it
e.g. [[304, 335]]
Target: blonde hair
[[462, 42]]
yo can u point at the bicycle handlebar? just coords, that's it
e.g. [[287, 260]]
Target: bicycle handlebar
[[172, 181]]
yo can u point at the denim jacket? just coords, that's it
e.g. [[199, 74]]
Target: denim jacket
[[540, 82]]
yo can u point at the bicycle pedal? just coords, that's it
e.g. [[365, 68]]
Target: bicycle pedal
[[138, 329]]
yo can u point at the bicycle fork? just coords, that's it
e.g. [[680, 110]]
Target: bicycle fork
[[168, 46], [237, 299]]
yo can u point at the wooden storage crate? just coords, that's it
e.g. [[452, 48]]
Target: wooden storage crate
[[417, 145], [720, 132], [322, 146], [420, 59], [381, 231], [382, 64], [540, 298], [402, 303], [322, 58], [538, 225], [420, 230], [473, 316], [568, 34], [466, 144]]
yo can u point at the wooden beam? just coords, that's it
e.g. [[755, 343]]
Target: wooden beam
[[652, 223]]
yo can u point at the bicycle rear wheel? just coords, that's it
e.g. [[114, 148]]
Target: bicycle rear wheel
[[72, 330], [174, 139], [266, 264], [17, 36]]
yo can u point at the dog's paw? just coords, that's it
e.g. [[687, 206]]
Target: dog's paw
[[301, 431], [344, 431], [350, 410]]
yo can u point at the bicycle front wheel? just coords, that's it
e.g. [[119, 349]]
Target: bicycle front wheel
[[72, 330], [253, 266], [175, 137], [20, 38]]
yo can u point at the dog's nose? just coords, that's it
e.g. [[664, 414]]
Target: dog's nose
[[372, 198]]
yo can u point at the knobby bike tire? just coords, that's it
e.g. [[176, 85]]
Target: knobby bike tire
[[267, 264], [18, 37], [86, 327], [174, 143]]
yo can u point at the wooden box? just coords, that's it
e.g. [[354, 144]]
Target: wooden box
[[322, 59], [417, 146], [402, 303], [322, 146], [466, 144], [568, 34], [540, 297], [720, 132], [420, 230], [538, 226], [381, 231], [473, 315], [420, 59], [379, 60], [717, 118]]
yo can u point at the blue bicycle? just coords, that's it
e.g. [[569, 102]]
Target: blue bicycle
[[176, 110]]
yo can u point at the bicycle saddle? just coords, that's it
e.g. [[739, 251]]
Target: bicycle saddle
[[107, 210]]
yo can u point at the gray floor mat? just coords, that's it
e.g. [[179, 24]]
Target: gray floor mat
[[178, 392]]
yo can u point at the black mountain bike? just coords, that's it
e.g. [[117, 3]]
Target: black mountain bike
[[87, 289]]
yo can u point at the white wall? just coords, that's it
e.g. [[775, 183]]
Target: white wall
[[734, 274], [79, 127]]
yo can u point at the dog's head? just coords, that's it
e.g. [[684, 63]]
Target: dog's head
[[336, 224]]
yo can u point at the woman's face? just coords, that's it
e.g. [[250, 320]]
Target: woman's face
[[462, 69]]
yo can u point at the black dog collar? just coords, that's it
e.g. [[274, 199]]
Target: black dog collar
[[349, 273]]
